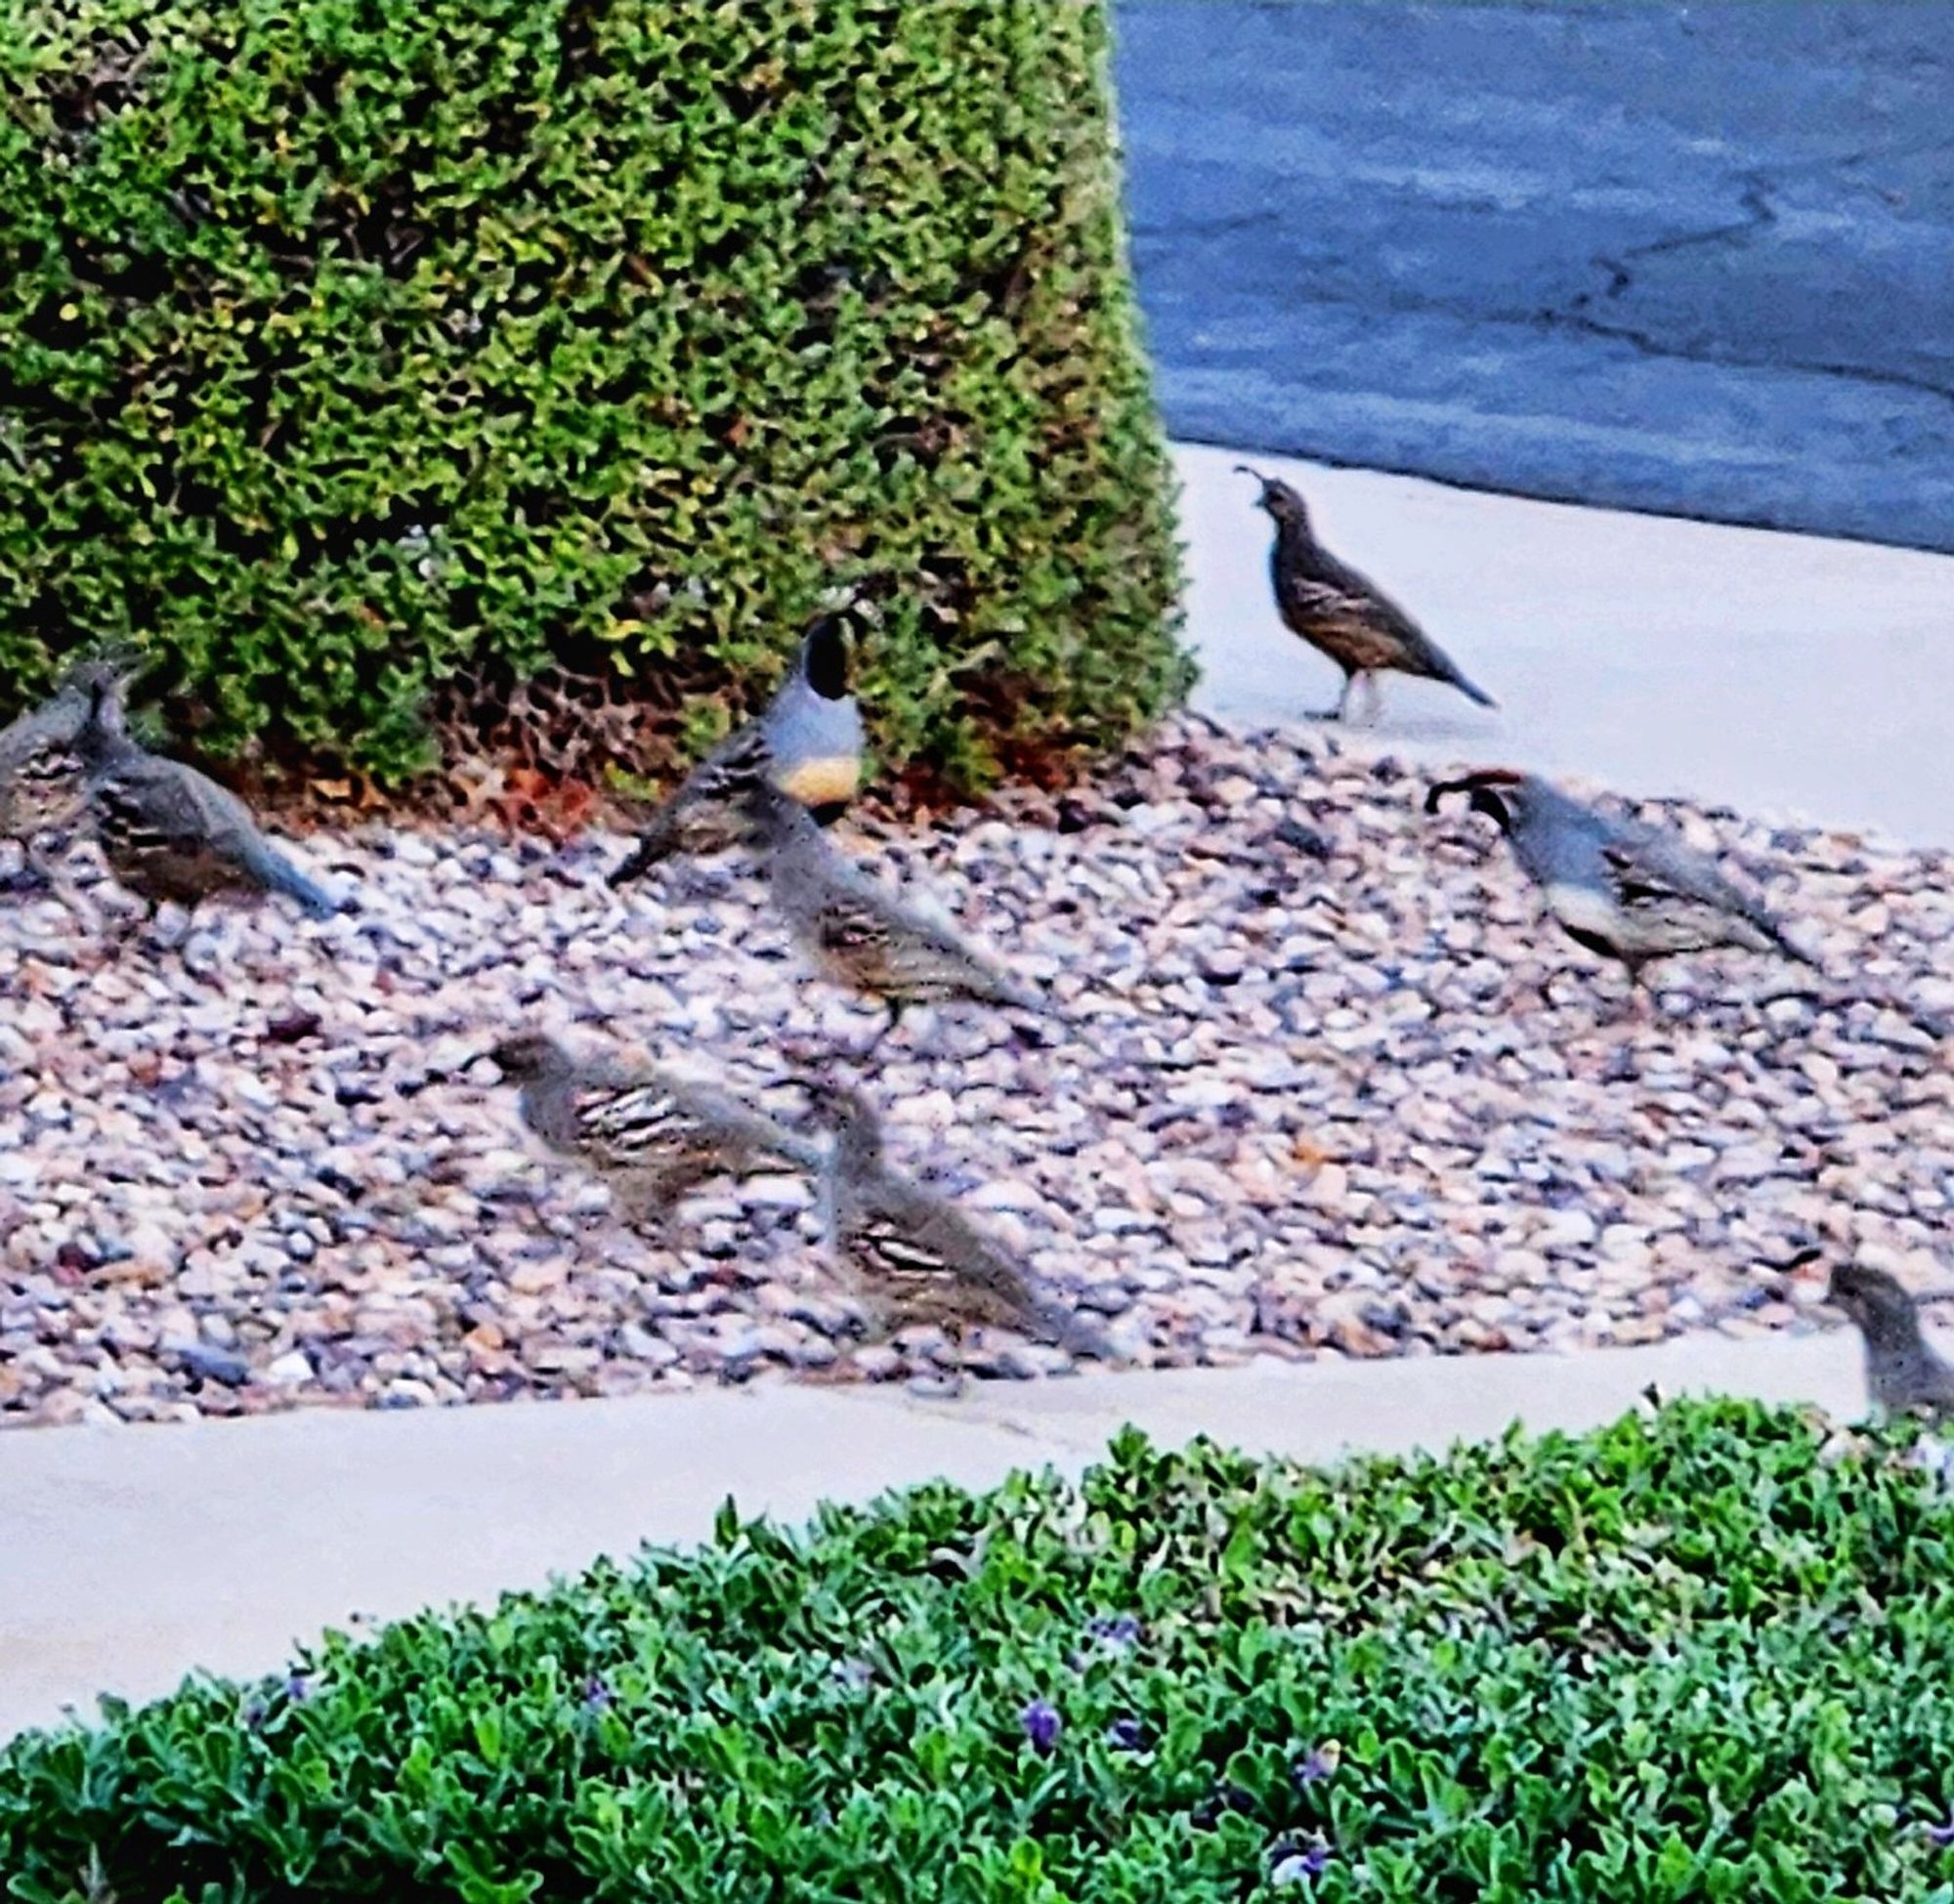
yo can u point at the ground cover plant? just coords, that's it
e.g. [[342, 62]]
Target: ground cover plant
[[510, 377], [1703, 1653]]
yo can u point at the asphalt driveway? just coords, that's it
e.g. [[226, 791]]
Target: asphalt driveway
[[1691, 259]]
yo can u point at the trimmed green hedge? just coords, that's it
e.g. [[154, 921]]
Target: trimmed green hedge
[[371, 361], [1702, 1655]]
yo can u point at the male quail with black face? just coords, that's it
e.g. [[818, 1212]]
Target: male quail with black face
[[1628, 891], [807, 742]]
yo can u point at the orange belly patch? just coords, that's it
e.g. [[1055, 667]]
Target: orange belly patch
[[821, 782]]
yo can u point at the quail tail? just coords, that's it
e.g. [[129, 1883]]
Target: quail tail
[[278, 874], [643, 857], [656, 844]]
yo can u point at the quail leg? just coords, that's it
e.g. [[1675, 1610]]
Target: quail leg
[[955, 1378], [874, 1044], [65, 890], [39, 876], [1641, 1001], [136, 925], [1343, 707], [647, 1201]]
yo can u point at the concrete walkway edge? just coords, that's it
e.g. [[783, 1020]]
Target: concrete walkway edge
[[136, 1554]]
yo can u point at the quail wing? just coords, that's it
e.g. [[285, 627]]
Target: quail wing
[[1661, 883]]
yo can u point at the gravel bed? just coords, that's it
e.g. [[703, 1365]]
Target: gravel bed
[[1310, 1093]]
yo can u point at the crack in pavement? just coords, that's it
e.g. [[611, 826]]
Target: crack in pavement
[[1758, 214], [1643, 343]]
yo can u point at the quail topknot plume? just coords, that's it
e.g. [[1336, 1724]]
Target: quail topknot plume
[[807, 742], [1628, 891], [861, 935], [1344, 614], [650, 1134], [42, 793], [1904, 1373], [167, 831], [915, 1257]]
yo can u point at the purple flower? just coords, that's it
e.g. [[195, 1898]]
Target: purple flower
[[1126, 1735], [596, 1694], [298, 1688], [1041, 1724], [253, 1714], [1942, 1835], [1295, 1865], [1119, 1630], [1319, 1765]]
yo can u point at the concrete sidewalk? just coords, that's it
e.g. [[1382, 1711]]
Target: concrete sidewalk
[[1774, 673], [133, 1555]]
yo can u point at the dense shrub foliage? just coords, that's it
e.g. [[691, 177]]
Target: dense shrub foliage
[[373, 362], [1699, 1654]]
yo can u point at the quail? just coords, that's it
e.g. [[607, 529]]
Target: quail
[[915, 1257], [861, 935], [651, 1135], [1626, 890], [42, 798], [1342, 614], [166, 830], [808, 743], [1903, 1372]]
